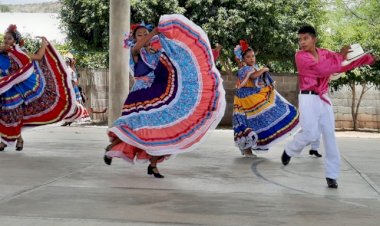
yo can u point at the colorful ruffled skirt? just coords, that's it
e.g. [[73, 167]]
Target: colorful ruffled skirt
[[262, 119], [185, 100], [80, 112], [36, 93]]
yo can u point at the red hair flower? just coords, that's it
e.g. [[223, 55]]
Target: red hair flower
[[244, 45], [134, 26], [12, 28]]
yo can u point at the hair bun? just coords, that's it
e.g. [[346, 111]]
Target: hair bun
[[12, 28]]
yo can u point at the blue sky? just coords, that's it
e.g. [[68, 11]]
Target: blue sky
[[24, 1]]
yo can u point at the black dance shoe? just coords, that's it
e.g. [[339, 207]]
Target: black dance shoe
[[66, 124], [19, 145], [331, 183], [315, 152], [151, 171], [2, 146], [285, 158], [107, 160]]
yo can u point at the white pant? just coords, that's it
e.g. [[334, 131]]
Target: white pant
[[316, 116], [315, 145]]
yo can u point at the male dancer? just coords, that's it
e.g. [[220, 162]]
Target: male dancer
[[315, 67]]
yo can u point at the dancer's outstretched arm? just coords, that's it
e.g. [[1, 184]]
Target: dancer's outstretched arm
[[40, 53], [141, 43]]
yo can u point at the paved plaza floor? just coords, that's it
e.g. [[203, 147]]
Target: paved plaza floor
[[60, 179]]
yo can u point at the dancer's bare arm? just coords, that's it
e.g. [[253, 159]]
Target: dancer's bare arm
[[40, 53], [140, 44]]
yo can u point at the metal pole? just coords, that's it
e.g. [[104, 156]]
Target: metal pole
[[118, 58]]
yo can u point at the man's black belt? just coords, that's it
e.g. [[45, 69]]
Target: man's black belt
[[308, 92]]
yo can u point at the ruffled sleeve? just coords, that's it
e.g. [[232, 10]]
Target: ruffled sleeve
[[242, 73]]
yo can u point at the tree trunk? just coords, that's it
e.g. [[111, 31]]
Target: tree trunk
[[364, 90], [353, 105]]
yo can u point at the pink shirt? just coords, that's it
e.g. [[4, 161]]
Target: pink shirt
[[315, 76]]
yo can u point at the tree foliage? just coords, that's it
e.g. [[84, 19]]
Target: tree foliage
[[86, 23], [150, 11], [269, 26]]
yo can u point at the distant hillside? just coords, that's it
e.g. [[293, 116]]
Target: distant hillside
[[47, 7]]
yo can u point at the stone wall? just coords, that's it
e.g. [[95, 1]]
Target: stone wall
[[369, 111], [95, 85]]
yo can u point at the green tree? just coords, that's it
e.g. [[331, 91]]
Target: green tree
[[86, 23], [355, 22], [269, 26], [150, 11]]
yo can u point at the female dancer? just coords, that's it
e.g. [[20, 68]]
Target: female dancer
[[261, 115], [34, 88], [177, 96], [80, 112], [12, 37]]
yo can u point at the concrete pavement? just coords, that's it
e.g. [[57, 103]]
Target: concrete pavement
[[60, 179]]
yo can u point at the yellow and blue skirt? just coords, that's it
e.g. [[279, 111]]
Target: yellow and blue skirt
[[262, 117]]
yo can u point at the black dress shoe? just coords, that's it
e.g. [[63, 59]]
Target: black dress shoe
[[331, 183], [285, 158], [315, 152], [151, 171]]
